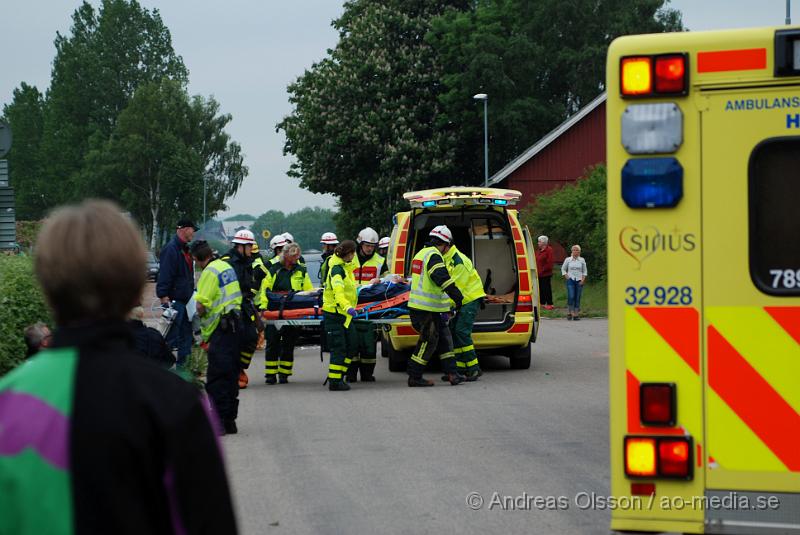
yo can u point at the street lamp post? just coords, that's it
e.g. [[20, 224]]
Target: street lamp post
[[485, 98], [205, 178]]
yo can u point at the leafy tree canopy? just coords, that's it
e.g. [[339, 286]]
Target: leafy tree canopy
[[116, 122], [390, 109]]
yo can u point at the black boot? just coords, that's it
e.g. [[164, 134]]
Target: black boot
[[455, 378], [230, 427], [283, 379], [338, 386], [270, 380], [352, 373], [367, 373], [418, 381]]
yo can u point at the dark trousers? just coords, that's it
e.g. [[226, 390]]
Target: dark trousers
[[222, 376], [461, 329], [280, 350], [180, 333], [248, 340], [545, 290], [434, 339], [337, 337], [362, 343]]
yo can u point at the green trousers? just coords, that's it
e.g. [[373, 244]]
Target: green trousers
[[362, 343], [461, 329], [337, 338], [280, 350]]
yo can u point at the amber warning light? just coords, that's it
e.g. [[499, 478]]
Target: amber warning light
[[665, 74]]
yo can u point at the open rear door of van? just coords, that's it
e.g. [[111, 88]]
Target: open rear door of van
[[534, 280]]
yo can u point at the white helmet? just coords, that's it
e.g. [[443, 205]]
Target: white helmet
[[288, 237], [384, 242], [277, 241], [443, 233], [329, 238], [244, 237], [368, 235]]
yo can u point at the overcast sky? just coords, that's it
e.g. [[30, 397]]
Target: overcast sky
[[245, 53]]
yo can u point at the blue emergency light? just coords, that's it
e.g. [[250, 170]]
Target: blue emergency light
[[502, 202], [652, 182], [428, 204]]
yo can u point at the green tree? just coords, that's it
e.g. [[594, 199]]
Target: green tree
[[272, 220], [305, 225], [109, 53], [539, 62], [574, 214], [366, 124], [25, 115], [162, 148]]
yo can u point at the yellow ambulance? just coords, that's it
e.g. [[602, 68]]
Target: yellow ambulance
[[486, 228], [704, 281]]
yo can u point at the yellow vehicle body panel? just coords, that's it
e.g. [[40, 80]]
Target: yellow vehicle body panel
[[683, 305], [525, 326]]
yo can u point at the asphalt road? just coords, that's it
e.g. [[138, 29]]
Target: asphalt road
[[385, 458]]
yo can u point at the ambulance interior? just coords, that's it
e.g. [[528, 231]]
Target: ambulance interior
[[485, 237]]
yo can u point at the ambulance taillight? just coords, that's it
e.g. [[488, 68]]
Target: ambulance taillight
[[664, 74], [640, 457], [525, 303], [674, 457], [664, 457], [657, 402], [671, 74]]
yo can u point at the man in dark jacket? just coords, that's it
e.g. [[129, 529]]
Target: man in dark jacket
[[176, 284]]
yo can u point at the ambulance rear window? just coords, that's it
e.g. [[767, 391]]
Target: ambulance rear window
[[774, 195]]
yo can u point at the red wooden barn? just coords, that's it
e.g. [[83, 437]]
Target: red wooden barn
[[559, 158]]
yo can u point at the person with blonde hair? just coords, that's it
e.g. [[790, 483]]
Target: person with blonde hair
[[574, 271], [286, 275], [93, 437]]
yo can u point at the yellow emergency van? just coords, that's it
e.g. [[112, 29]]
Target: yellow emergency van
[[704, 281], [486, 228]]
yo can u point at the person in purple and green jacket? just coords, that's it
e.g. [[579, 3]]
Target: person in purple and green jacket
[[94, 438]]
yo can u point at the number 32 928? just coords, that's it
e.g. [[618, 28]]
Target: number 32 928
[[658, 295]]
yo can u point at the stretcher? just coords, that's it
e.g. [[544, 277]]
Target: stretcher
[[383, 311]]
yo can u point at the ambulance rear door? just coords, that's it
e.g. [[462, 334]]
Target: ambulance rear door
[[751, 303]]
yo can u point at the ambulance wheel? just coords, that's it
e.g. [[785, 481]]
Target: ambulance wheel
[[520, 357], [385, 343], [398, 360]]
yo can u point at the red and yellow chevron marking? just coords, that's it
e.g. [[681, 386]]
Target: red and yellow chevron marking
[[753, 403], [662, 344]]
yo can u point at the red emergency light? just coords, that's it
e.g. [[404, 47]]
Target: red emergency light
[[654, 457], [652, 76], [657, 404]]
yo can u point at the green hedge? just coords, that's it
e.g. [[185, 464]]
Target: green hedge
[[575, 214], [21, 304]]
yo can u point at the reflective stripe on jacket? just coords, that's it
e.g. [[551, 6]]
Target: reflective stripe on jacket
[[370, 269], [276, 281], [218, 291], [464, 274], [425, 293], [340, 288]]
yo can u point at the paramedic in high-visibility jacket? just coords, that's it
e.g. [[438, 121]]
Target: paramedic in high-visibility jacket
[[219, 301], [469, 282], [369, 266], [432, 288], [286, 275], [339, 300]]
